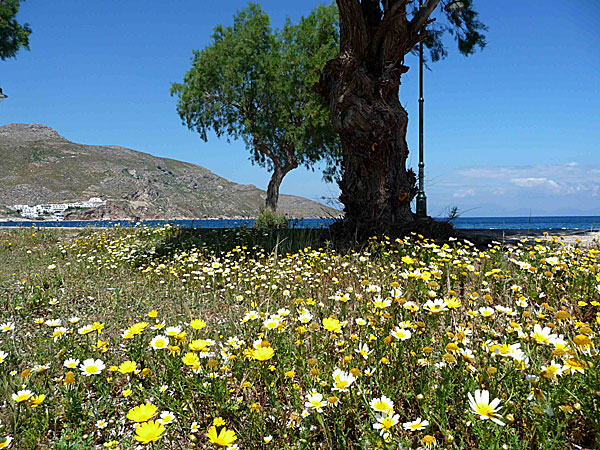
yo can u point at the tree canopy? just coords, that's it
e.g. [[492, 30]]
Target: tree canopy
[[255, 83], [13, 36]]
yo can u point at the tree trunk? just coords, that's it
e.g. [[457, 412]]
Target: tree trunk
[[366, 112], [361, 86], [279, 172]]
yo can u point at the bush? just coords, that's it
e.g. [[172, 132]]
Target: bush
[[269, 219]]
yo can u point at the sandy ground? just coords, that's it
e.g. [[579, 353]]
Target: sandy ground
[[569, 237]]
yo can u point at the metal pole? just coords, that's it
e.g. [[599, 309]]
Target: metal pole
[[421, 198]]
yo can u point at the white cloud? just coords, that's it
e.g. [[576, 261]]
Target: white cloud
[[532, 182], [529, 182], [464, 193], [557, 178], [546, 188]]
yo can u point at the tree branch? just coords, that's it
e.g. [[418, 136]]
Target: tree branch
[[353, 29], [422, 15], [291, 159], [389, 5], [217, 98], [371, 12], [265, 150], [394, 13]]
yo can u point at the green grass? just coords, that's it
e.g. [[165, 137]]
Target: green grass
[[438, 323]]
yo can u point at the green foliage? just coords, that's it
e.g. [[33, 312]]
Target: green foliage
[[72, 440], [255, 83], [466, 28], [13, 35], [462, 23], [73, 407], [268, 219], [221, 241]]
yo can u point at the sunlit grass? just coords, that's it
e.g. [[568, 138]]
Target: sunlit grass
[[239, 338]]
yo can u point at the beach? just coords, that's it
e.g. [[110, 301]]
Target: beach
[[583, 238]]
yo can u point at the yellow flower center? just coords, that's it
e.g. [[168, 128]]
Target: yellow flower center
[[387, 423], [484, 409], [380, 406]]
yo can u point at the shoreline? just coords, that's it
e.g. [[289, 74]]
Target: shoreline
[[584, 238]]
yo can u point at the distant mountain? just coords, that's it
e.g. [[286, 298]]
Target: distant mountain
[[37, 165]]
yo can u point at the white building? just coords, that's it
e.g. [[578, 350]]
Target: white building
[[55, 210]]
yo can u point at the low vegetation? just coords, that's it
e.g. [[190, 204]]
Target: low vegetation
[[251, 339], [269, 219]]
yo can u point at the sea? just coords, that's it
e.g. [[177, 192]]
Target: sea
[[583, 223]]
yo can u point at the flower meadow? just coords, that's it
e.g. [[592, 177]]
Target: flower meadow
[[245, 339]]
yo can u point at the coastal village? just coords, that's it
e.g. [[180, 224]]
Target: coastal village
[[54, 211]]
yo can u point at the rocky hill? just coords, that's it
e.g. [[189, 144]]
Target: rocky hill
[[40, 166]]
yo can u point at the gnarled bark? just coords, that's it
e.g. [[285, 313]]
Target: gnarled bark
[[361, 86], [366, 112]]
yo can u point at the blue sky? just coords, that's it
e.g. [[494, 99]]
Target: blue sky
[[512, 130]]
